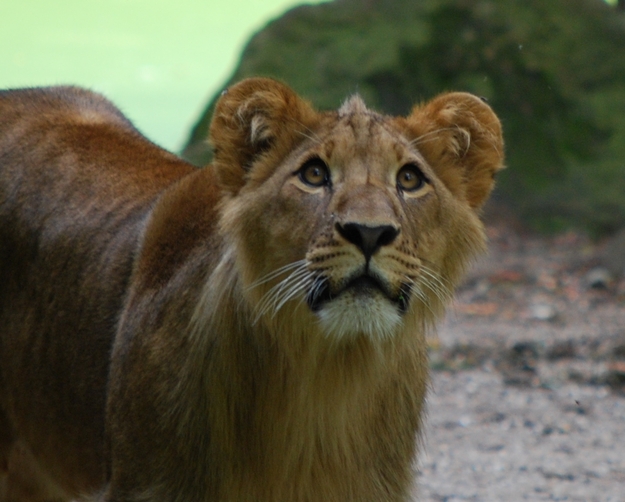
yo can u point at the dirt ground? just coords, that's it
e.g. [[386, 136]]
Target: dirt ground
[[527, 399]]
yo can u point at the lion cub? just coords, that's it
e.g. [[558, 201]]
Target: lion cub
[[250, 331]]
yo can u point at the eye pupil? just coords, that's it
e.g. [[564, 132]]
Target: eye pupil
[[314, 173], [410, 178]]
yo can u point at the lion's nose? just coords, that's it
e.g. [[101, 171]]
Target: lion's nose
[[368, 239]]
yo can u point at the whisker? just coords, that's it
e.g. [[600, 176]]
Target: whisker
[[299, 279], [435, 283], [275, 273], [434, 289], [314, 289], [317, 288], [286, 286], [272, 296], [446, 283], [294, 290], [418, 292]]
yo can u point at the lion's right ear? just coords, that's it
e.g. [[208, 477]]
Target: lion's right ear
[[256, 119]]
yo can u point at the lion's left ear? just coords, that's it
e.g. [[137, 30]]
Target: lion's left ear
[[460, 136], [258, 118]]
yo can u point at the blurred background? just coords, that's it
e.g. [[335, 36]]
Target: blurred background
[[158, 60], [553, 71]]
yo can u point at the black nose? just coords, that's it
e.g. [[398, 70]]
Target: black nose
[[368, 239]]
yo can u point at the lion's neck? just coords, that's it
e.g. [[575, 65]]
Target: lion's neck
[[284, 405]]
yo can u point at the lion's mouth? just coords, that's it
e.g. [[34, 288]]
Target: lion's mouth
[[363, 285]]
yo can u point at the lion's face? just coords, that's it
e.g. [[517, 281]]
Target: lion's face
[[353, 224]]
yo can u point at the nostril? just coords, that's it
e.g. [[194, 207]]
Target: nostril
[[387, 236], [368, 239], [350, 232]]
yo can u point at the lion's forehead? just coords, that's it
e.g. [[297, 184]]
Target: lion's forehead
[[366, 137]]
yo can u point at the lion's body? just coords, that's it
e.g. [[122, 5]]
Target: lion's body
[[247, 331], [72, 207]]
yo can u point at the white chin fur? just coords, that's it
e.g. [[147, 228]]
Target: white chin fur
[[348, 317]]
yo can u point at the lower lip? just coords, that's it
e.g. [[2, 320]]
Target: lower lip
[[359, 286]]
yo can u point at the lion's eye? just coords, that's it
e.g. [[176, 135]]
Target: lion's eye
[[314, 173], [410, 178]]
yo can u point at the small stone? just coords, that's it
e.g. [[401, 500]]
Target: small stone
[[465, 421], [543, 312], [598, 278]]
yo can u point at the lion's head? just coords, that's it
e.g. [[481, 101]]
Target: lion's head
[[362, 223]]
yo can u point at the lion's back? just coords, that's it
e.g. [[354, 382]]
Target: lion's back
[[77, 182]]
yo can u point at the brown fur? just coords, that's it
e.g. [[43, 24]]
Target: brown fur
[[164, 333]]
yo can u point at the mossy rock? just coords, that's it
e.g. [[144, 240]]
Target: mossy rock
[[553, 71]]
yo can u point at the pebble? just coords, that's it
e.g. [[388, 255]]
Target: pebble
[[598, 278], [543, 312]]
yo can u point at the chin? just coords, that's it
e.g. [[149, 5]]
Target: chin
[[351, 316]]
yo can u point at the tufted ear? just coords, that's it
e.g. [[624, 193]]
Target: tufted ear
[[258, 119], [460, 136]]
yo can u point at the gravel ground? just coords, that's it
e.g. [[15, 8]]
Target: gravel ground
[[486, 441], [527, 399]]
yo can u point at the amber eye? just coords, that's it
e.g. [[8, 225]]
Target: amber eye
[[410, 178], [314, 173]]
